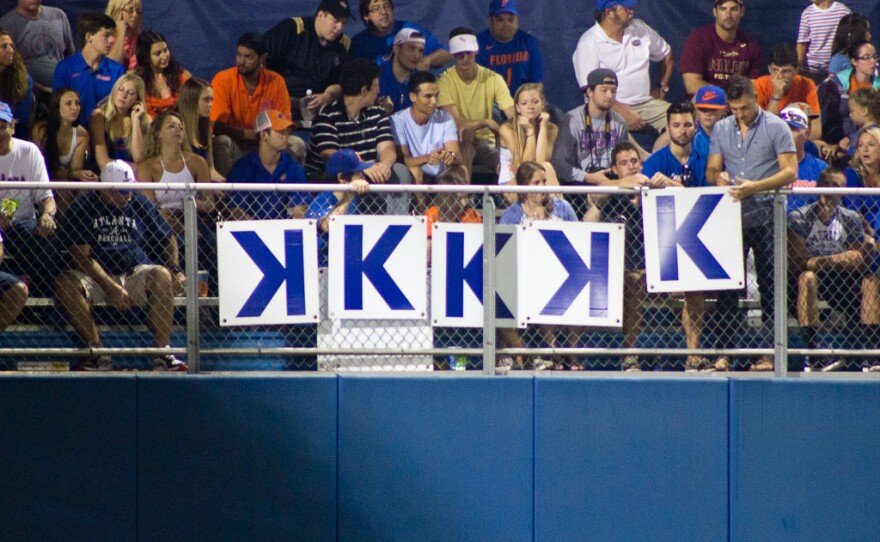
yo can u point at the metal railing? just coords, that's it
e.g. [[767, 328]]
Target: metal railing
[[42, 332]]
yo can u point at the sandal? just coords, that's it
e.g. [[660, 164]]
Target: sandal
[[722, 364], [695, 364], [763, 365]]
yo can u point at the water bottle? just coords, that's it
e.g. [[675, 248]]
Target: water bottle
[[307, 114]]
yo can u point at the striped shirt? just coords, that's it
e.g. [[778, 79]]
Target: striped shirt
[[817, 29], [333, 130]]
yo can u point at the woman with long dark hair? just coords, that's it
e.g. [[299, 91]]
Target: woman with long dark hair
[[16, 86], [162, 75], [64, 143]]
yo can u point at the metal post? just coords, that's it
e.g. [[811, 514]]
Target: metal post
[[488, 284], [780, 282], [190, 226]]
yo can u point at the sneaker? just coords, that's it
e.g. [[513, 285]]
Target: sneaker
[[541, 364], [169, 363], [693, 365], [722, 364], [872, 368], [630, 364], [96, 363], [504, 364]]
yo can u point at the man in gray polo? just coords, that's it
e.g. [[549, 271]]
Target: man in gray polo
[[753, 152]]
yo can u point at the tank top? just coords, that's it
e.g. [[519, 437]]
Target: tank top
[[65, 160], [172, 199]]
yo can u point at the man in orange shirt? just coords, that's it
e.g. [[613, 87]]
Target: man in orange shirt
[[784, 86], [240, 93]]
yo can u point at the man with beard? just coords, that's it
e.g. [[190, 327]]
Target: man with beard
[[375, 42], [715, 52], [752, 152], [409, 49], [626, 45], [310, 53], [240, 93], [681, 162], [90, 72]]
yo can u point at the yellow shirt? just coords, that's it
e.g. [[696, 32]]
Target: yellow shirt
[[474, 100]]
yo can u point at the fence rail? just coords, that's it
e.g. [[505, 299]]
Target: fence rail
[[659, 338]]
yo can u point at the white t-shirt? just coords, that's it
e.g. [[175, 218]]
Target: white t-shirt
[[24, 163], [422, 140], [630, 59]]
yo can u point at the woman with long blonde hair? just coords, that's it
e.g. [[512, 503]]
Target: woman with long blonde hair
[[129, 17], [194, 106], [528, 135], [118, 126]]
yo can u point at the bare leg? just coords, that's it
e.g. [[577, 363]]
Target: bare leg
[[871, 301], [70, 295], [160, 305], [10, 306], [808, 299], [692, 318], [466, 142], [632, 308]]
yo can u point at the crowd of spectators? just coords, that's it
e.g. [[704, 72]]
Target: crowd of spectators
[[395, 104]]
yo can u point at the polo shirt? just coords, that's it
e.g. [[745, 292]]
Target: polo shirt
[[390, 87], [295, 51], [378, 48], [754, 157], [332, 130], [235, 106], [266, 205], [518, 61], [92, 86], [475, 99], [630, 59], [422, 140]]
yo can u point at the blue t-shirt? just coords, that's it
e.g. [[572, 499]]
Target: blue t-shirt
[[517, 61], [92, 86], [389, 86], [693, 173], [378, 48], [120, 238], [808, 175], [266, 205], [320, 207], [562, 210], [21, 111]]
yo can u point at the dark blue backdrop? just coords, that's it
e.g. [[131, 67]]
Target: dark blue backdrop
[[202, 33]]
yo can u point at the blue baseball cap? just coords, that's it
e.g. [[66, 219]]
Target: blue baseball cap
[[5, 112], [602, 5], [497, 7], [345, 161], [710, 97]]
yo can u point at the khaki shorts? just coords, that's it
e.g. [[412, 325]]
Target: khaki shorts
[[135, 283]]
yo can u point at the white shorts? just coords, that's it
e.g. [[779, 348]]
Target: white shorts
[[135, 283]]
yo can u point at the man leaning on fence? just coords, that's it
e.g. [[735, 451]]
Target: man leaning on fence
[[115, 238], [752, 152]]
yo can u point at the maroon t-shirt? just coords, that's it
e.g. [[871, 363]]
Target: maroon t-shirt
[[716, 60]]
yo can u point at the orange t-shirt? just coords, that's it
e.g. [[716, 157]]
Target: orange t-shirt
[[855, 85], [235, 106], [802, 89], [469, 216], [156, 105]]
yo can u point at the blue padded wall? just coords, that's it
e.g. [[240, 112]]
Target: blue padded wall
[[804, 460], [440, 459], [630, 459], [232, 458], [68, 467]]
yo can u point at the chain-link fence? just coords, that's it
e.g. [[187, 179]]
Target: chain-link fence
[[102, 276]]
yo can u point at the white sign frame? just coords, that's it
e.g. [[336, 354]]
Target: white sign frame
[[239, 275]]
